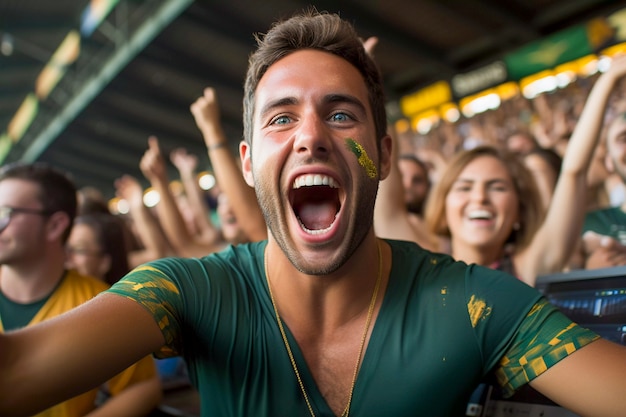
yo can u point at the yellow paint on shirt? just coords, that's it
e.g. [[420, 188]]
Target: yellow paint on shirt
[[478, 310]]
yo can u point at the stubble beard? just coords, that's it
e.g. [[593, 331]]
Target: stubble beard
[[358, 231]]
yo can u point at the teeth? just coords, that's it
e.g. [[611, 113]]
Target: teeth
[[314, 232], [314, 179], [480, 214]]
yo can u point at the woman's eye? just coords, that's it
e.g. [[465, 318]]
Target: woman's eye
[[461, 188]]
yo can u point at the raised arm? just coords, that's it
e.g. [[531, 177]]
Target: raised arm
[[40, 367], [556, 240], [186, 164], [153, 167], [391, 216], [146, 225], [227, 172]]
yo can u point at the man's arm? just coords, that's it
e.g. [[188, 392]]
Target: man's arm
[[589, 382], [136, 400], [47, 363]]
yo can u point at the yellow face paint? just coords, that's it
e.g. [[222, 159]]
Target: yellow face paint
[[362, 157]]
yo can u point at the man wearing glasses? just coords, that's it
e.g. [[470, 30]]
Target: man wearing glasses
[[37, 209]]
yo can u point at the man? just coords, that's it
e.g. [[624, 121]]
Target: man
[[37, 209], [415, 181], [324, 318], [604, 230]]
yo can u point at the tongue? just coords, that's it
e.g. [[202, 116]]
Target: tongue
[[317, 216]]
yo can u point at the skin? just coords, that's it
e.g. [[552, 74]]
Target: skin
[[32, 258], [85, 255], [326, 313], [306, 136], [598, 250], [545, 176], [484, 185], [313, 276], [415, 182]]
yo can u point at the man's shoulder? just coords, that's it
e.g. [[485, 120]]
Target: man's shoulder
[[84, 282]]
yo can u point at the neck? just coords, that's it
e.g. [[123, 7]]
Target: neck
[[326, 303], [485, 256], [30, 283]]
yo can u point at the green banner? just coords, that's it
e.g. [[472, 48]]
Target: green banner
[[562, 47]]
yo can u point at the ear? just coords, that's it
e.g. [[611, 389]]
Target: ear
[[57, 224], [386, 144], [246, 162]]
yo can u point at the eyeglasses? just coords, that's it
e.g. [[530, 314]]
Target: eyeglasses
[[77, 251], [6, 213]]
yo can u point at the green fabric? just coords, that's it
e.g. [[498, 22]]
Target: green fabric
[[555, 338], [442, 327], [608, 221], [16, 315]]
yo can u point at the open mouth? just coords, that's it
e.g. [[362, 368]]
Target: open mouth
[[480, 215], [315, 202]]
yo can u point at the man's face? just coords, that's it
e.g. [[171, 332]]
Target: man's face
[[416, 184], [616, 146], [314, 160], [24, 236]]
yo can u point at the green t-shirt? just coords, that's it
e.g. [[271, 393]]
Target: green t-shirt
[[442, 327], [608, 221]]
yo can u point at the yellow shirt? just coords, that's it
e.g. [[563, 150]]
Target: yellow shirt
[[74, 290]]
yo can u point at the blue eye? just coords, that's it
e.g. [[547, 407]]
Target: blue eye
[[339, 117], [281, 120]]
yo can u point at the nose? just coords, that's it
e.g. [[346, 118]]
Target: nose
[[479, 193], [312, 136]]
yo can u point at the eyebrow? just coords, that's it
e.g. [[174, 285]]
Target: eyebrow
[[490, 181]]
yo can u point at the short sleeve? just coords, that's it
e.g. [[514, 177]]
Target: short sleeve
[[544, 338]]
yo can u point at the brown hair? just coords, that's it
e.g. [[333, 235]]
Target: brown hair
[[530, 210], [57, 191], [320, 31]]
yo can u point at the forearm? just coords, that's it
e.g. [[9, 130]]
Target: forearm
[[230, 178], [149, 232], [584, 139], [137, 400], [200, 209]]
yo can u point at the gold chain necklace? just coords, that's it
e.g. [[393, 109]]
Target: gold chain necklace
[[370, 312]]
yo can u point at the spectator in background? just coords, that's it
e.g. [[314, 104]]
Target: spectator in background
[[604, 230], [199, 212], [97, 247], [147, 241], [226, 168], [521, 142], [37, 208], [492, 213], [91, 200], [545, 165], [184, 242], [415, 181], [314, 112]]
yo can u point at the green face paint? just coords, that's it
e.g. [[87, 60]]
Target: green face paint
[[362, 157]]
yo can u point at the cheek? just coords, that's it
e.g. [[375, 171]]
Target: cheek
[[453, 207]]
